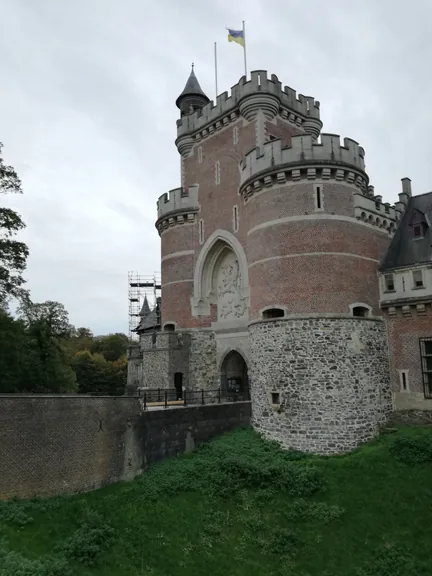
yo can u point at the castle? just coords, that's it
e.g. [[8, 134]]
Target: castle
[[285, 275]]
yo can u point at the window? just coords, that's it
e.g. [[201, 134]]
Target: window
[[273, 313], [389, 283], [275, 396], [235, 219], [377, 205], [169, 327], [360, 311], [201, 231], [217, 173], [272, 138], [153, 338], [426, 360], [200, 154], [403, 379], [235, 135], [318, 197], [418, 279], [417, 231]]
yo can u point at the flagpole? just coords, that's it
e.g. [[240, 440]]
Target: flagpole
[[244, 40], [215, 59]]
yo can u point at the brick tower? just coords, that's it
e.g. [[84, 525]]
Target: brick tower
[[269, 264]]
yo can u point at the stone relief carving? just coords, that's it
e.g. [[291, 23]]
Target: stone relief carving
[[231, 304]]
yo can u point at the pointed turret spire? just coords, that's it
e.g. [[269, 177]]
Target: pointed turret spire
[[192, 97], [145, 310]]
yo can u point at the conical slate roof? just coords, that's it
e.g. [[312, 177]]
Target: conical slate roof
[[145, 310], [192, 88]]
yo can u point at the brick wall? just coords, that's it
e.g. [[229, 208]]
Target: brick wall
[[404, 332], [61, 444], [216, 211]]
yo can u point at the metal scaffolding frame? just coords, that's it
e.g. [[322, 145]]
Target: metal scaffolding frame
[[141, 286]]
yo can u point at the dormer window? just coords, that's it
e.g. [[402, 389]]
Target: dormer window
[[418, 279], [418, 231], [389, 283]]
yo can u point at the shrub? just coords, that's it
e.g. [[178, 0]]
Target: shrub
[[88, 541], [412, 450], [15, 564], [393, 562], [320, 511]]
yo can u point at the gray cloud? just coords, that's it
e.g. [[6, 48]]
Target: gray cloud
[[87, 115]]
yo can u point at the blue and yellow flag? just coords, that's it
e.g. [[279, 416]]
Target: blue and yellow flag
[[236, 36]]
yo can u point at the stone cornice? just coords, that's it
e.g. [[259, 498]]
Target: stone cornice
[[308, 170]]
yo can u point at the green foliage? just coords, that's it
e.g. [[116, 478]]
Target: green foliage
[[33, 356], [224, 470], [13, 254], [16, 564], [112, 347], [412, 450], [392, 561], [89, 541], [363, 514]]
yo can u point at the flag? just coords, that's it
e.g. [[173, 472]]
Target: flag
[[236, 36]]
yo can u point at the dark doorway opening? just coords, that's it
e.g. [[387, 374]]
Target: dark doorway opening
[[234, 375], [178, 385]]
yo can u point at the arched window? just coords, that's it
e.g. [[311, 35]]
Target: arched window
[[360, 311], [170, 327], [273, 313]]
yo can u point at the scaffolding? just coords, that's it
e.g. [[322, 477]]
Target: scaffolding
[[139, 287]]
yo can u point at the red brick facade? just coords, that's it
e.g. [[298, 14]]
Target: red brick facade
[[404, 332]]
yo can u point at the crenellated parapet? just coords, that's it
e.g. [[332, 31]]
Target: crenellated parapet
[[371, 209], [247, 98], [178, 206], [305, 158]]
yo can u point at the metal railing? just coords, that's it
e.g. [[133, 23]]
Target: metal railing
[[170, 398]]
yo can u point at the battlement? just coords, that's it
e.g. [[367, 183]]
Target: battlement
[[304, 149], [259, 84], [178, 200]]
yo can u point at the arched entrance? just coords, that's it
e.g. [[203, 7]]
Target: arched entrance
[[234, 374]]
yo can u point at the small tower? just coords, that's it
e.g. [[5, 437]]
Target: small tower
[[192, 98]]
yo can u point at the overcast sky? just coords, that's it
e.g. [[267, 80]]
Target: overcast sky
[[87, 115]]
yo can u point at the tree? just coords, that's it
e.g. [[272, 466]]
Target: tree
[[13, 254], [96, 375], [112, 346], [48, 328]]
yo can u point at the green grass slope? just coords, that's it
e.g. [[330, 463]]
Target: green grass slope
[[239, 506]]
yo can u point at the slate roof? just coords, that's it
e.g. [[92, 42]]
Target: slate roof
[[404, 249], [150, 319], [192, 88]]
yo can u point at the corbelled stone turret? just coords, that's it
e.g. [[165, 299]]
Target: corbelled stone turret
[[192, 98]]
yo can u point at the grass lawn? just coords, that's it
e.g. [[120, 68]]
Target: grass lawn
[[239, 506]]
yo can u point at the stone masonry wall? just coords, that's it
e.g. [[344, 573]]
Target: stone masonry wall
[[66, 444], [332, 376], [202, 363], [155, 360]]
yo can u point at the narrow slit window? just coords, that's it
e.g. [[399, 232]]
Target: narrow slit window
[[235, 218], [200, 155], [217, 172], [201, 231], [235, 135], [404, 380], [318, 199]]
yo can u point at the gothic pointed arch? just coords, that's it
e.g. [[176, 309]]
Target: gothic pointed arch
[[221, 277]]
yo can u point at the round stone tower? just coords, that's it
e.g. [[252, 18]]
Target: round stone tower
[[318, 343]]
